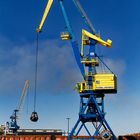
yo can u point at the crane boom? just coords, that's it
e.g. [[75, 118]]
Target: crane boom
[[24, 91], [84, 15], [46, 12], [73, 40]]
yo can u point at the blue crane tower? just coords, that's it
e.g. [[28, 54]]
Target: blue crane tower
[[95, 85]]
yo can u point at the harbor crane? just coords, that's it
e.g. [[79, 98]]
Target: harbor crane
[[95, 85], [12, 126]]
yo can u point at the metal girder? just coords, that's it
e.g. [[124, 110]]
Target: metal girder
[[99, 117], [74, 43], [84, 16]]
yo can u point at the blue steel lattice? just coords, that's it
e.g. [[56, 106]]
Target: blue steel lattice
[[91, 104]]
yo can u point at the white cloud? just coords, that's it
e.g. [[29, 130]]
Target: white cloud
[[118, 66], [57, 70]]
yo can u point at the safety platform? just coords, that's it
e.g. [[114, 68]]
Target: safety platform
[[65, 36], [87, 61]]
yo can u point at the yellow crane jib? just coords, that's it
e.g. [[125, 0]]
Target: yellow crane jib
[[87, 36], [46, 12]]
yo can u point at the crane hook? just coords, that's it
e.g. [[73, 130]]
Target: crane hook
[[34, 117]]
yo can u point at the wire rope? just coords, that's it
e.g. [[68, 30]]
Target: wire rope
[[36, 71], [105, 64]]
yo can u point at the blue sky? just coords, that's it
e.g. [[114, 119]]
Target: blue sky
[[118, 20]]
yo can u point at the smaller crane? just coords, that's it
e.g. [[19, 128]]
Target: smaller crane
[[13, 126]]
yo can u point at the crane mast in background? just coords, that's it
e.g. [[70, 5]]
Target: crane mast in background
[[12, 126], [95, 85]]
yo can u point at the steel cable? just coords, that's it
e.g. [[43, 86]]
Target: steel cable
[[36, 71]]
